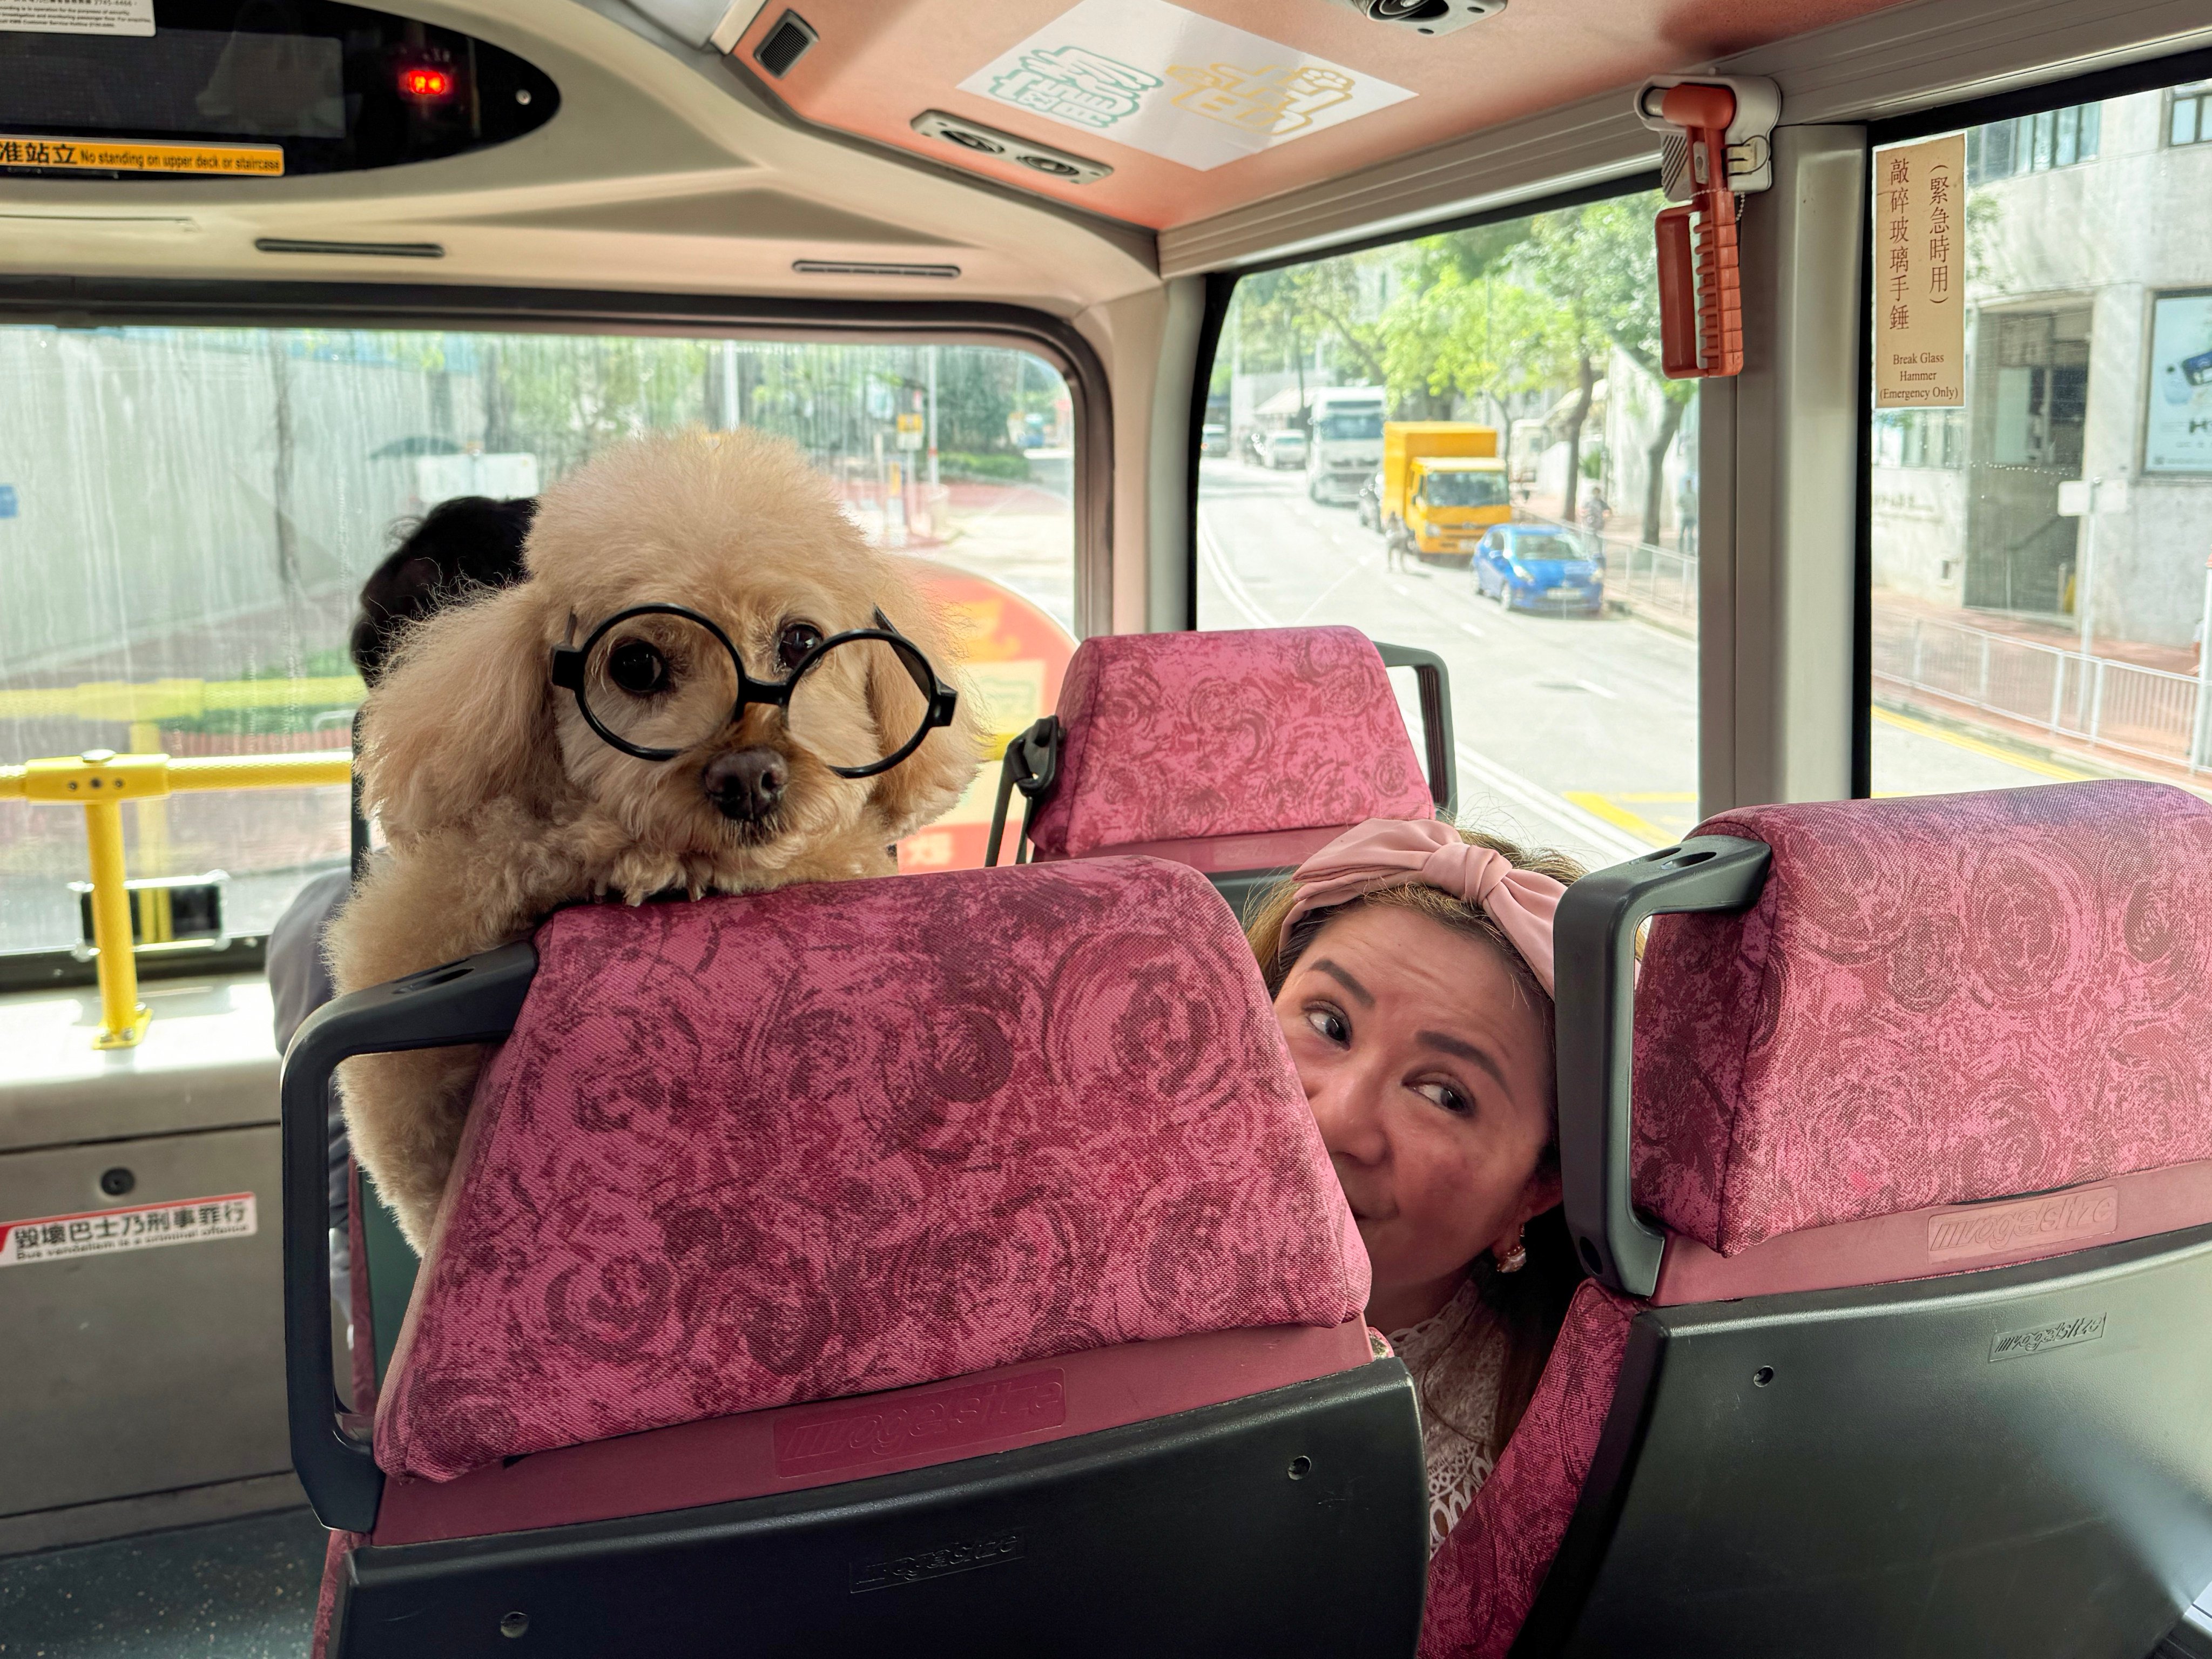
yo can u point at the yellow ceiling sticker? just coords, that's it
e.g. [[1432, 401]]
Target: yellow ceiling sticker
[[134, 156], [1166, 80]]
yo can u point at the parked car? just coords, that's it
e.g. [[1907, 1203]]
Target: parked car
[[1538, 566], [1213, 439], [1370, 502]]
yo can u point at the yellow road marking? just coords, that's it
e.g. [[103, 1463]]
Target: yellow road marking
[[1657, 795], [1603, 805], [1975, 745]]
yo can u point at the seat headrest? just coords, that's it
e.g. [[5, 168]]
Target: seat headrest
[[1934, 1000], [1174, 736], [746, 1152]]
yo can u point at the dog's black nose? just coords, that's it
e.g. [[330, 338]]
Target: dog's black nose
[[746, 784]]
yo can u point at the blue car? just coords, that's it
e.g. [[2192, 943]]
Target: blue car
[[1533, 567]]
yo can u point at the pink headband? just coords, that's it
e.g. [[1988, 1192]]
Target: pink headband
[[1421, 852]]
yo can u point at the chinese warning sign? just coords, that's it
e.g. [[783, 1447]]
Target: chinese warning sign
[[129, 156], [1169, 81], [1919, 272], [140, 1227]]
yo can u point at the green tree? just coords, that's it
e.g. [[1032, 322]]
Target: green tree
[[1487, 337], [1565, 261], [1614, 261]]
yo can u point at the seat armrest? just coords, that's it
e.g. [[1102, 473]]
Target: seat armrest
[[476, 1001]]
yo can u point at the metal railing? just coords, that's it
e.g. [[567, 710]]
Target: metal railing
[[101, 782], [1657, 578], [2152, 713]]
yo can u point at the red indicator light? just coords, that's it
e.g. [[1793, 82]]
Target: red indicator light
[[420, 82]]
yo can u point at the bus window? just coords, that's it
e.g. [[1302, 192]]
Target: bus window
[[1526, 506], [186, 515], [2042, 529]]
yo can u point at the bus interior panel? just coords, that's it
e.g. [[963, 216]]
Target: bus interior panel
[[1337, 827]]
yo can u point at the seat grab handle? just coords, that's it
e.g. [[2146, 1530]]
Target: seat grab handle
[[1433, 679], [474, 1000], [1595, 968]]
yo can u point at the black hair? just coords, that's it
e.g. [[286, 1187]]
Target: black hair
[[469, 541]]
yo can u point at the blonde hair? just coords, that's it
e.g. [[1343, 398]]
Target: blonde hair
[[1531, 1304]]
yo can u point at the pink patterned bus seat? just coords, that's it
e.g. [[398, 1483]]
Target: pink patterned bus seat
[[1172, 737], [1485, 1578], [1936, 1000], [847, 1137]]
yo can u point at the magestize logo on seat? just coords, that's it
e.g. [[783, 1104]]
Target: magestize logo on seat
[[921, 1425], [1991, 1230], [130, 156], [139, 1227], [964, 1556]]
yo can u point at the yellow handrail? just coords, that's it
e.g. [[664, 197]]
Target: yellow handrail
[[100, 781]]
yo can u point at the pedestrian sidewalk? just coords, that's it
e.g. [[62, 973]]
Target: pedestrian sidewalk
[[1895, 608]]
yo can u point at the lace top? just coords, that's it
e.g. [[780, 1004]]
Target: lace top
[[1457, 1358]]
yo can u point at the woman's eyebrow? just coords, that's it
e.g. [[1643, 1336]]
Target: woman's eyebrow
[[1467, 1051], [1365, 997]]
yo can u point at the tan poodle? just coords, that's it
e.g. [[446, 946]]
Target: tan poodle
[[504, 793]]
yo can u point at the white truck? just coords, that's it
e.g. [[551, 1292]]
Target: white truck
[[1344, 441]]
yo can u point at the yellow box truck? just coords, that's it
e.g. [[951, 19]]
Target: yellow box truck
[[1443, 486]]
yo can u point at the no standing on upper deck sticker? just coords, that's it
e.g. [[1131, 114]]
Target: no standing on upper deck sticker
[[76, 16], [140, 1227], [135, 155]]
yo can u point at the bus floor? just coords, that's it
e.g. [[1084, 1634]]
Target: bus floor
[[230, 1589]]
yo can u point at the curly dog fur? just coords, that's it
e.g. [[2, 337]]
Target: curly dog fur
[[500, 803]]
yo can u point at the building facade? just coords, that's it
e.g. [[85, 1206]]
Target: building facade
[[2090, 348]]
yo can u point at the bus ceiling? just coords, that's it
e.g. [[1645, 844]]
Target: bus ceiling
[[1061, 153], [1054, 153]]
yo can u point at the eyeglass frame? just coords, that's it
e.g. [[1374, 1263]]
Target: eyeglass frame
[[568, 666]]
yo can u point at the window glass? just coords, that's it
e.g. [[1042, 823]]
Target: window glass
[[1519, 366], [1345, 428], [187, 516], [2189, 115], [2034, 143], [2040, 551]]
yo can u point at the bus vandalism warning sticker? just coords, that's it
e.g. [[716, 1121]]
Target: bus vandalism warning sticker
[[140, 1227], [76, 17], [130, 155]]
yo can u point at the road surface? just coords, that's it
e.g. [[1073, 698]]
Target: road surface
[[1573, 733]]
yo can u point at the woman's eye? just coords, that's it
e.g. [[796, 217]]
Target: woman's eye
[[1330, 1024], [1448, 1098], [795, 642], [637, 668]]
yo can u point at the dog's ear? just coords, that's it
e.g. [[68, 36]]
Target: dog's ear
[[928, 782], [463, 716]]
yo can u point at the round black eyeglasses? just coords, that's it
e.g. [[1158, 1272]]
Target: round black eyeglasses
[[657, 680]]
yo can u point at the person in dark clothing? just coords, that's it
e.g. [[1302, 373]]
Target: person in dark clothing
[[458, 548]]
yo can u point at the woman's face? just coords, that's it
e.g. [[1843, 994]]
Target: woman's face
[[1424, 1060]]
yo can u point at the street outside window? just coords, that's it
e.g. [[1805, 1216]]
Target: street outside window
[[186, 515], [2043, 544], [1463, 441]]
